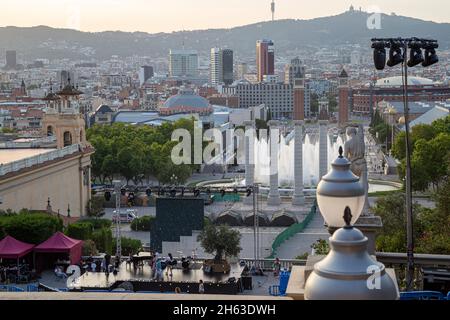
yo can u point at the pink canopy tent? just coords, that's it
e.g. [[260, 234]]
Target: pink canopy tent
[[11, 248], [60, 243]]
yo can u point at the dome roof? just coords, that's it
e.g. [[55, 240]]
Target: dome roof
[[103, 109], [397, 82], [186, 98]]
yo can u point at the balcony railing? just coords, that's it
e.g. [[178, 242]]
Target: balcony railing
[[38, 159]]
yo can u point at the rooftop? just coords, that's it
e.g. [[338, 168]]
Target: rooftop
[[397, 82], [186, 98], [11, 155]]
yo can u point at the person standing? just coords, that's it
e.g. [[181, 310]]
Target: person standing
[[159, 271], [107, 263], [169, 265], [276, 267], [201, 287]]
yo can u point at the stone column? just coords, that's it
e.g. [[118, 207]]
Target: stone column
[[249, 157], [298, 198], [274, 194], [323, 148]]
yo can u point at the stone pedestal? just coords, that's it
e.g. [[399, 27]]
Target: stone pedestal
[[298, 197], [249, 157], [274, 194], [323, 148]]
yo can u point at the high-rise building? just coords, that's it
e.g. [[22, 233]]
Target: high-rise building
[[227, 66], [265, 58], [183, 63], [292, 69], [145, 73], [11, 59], [215, 68], [221, 66]]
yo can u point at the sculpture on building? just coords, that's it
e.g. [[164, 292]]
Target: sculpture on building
[[354, 150]]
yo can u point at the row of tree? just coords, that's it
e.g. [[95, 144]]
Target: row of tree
[[381, 130], [138, 153], [36, 227]]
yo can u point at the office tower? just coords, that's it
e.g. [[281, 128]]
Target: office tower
[[215, 68], [344, 89], [183, 63], [145, 73], [227, 66], [265, 58], [11, 59], [221, 66]]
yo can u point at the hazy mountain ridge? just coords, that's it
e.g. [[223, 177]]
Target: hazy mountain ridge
[[349, 27]]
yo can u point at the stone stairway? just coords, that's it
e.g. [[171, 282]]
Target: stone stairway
[[301, 242]]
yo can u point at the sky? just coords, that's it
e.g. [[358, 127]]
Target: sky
[[174, 15]]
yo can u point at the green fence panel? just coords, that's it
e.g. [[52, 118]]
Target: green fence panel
[[292, 230]]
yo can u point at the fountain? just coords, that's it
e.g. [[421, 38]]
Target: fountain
[[286, 161]]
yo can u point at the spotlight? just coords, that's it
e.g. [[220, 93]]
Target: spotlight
[[395, 55], [415, 55], [430, 55], [379, 55]]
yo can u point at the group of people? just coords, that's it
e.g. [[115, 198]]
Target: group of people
[[159, 264], [105, 265]]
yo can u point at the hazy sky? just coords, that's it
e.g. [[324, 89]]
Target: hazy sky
[[173, 15]]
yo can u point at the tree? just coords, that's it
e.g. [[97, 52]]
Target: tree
[[221, 241], [95, 207], [321, 247], [392, 237], [332, 103], [128, 245]]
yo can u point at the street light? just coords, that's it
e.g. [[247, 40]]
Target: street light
[[348, 272], [415, 58], [338, 189]]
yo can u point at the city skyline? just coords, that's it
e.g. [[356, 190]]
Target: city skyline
[[176, 15]]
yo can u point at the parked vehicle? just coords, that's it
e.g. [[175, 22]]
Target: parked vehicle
[[126, 216]]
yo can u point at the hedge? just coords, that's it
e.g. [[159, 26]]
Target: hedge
[[30, 227], [80, 230], [97, 223], [142, 224]]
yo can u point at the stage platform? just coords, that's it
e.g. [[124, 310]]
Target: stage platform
[[140, 280]]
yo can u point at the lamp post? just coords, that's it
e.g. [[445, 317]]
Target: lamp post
[[117, 184], [396, 56], [348, 272]]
